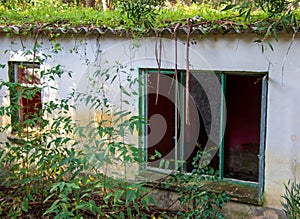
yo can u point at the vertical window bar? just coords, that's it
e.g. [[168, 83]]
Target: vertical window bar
[[262, 137], [16, 66], [222, 125], [182, 118], [145, 113], [142, 112]]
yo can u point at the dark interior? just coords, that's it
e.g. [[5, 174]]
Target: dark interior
[[242, 132], [161, 119], [199, 95]]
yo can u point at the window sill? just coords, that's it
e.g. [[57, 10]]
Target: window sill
[[239, 191]]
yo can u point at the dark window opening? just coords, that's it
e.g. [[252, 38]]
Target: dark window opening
[[204, 113], [161, 119], [226, 102], [242, 133]]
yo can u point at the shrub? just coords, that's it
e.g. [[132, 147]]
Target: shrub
[[291, 204]]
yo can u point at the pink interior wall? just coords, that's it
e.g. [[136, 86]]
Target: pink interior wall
[[243, 102]]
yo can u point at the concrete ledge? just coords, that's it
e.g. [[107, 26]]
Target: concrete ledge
[[235, 210], [231, 210]]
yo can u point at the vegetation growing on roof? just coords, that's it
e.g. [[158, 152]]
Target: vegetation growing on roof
[[140, 15]]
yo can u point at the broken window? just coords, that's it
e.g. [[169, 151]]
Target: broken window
[[227, 121], [242, 132]]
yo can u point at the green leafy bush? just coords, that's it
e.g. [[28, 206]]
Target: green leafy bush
[[140, 15], [65, 167], [195, 196], [291, 204]]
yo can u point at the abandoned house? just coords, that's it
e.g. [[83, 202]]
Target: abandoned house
[[240, 105]]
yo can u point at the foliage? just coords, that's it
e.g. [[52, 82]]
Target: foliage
[[139, 15], [40, 150], [278, 15], [51, 159], [104, 197], [65, 166], [291, 204], [197, 200]]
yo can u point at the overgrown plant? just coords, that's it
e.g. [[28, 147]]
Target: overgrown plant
[[141, 13], [291, 203], [40, 149], [74, 169], [66, 166], [278, 15], [195, 195]]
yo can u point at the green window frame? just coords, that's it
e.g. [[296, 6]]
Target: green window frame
[[179, 103], [143, 111]]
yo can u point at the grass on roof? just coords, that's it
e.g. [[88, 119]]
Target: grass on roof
[[66, 15]]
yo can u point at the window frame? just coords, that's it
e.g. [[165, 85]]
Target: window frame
[[143, 142], [15, 100], [143, 111]]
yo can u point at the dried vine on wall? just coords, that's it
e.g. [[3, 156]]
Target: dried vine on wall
[[187, 80], [158, 61]]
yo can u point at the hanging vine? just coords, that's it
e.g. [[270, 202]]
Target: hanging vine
[[176, 52], [176, 68], [187, 79], [158, 50]]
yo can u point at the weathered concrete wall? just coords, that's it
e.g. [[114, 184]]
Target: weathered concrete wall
[[234, 210], [231, 210], [210, 53]]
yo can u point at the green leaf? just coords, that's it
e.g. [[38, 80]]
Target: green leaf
[[270, 45], [248, 14], [152, 201], [24, 204], [122, 215], [107, 197], [130, 196], [53, 207], [136, 207], [50, 196], [167, 164], [228, 7], [92, 206], [145, 204], [157, 154], [124, 91], [117, 196], [113, 79], [129, 212], [161, 163], [275, 34]]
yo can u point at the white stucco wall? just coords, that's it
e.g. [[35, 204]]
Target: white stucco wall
[[213, 52]]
